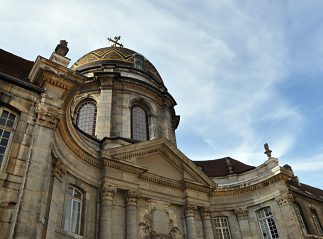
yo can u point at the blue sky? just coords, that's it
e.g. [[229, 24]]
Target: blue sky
[[243, 72]]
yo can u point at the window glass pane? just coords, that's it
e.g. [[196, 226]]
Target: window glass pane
[[6, 134], [139, 124], [86, 117], [4, 114], [2, 121], [77, 194], [73, 211]]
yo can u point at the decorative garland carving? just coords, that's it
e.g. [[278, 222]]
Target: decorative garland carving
[[48, 116], [59, 169], [241, 212]]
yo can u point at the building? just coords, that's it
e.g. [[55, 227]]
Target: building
[[90, 152]]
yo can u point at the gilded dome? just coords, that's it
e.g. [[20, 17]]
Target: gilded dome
[[119, 56]]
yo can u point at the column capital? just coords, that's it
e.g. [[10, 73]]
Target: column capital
[[241, 212], [284, 199], [190, 209], [107, 191], [132, 198], [206, 213]]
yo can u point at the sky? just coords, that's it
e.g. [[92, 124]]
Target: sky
[[243, 73]]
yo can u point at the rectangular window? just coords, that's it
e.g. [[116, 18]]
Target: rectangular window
[[267, 223], [316, 220], [300, 217], [222, 229], [73, 210], [7, 124]]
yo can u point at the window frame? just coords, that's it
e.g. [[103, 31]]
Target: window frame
[[11, 131], [225, 230], [316, 221], [273, 234], [147, 122], [77, 115], [300, 217], [73, 200]]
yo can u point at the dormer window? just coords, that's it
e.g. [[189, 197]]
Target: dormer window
[[86, 117], [138, 61]]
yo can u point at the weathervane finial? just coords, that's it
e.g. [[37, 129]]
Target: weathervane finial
[[115, 42]]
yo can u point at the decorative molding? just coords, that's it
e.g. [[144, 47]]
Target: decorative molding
[[132, 198], [242, 212], [75, 149], [59, 169], [124, 166], [232, 192], [107, 191], [48, 116]]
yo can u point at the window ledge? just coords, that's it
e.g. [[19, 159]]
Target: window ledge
[[69, 234]]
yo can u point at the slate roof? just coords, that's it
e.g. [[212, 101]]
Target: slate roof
[[14, 66], [305, 189], [219, 168]]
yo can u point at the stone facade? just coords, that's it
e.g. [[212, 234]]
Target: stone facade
[[59, 182]]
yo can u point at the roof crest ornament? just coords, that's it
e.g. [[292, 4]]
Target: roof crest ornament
[[114, 42], [267, 150]]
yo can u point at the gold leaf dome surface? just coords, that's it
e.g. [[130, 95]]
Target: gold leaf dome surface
[[119, 56]]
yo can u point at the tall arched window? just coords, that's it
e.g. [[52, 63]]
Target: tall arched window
[[7, 127], [86, 117], [267, 223], [139, 124]]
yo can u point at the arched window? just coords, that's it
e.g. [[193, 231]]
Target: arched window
[[7, 126], [86, 117], [73, 210], [139, 124]]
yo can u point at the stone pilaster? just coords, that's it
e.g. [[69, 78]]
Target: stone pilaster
[[242, 216], [207, 225], [131, 215], [107, 193], [190, 220], [289, 217]]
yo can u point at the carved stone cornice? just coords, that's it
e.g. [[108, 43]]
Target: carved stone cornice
[[254, 187], [59, 169], [107, 191], [206, 213], [132, 198], [187, 184], [190, 209], [284, 199], [161, 180], [124, 166], [242, 212], [48, 116]]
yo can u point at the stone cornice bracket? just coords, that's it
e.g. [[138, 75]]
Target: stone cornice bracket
[[190, 209], [48, 116], [107, 191], [59, 169], [206, 213], [242, 212], [132, 198], [284, 199]]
